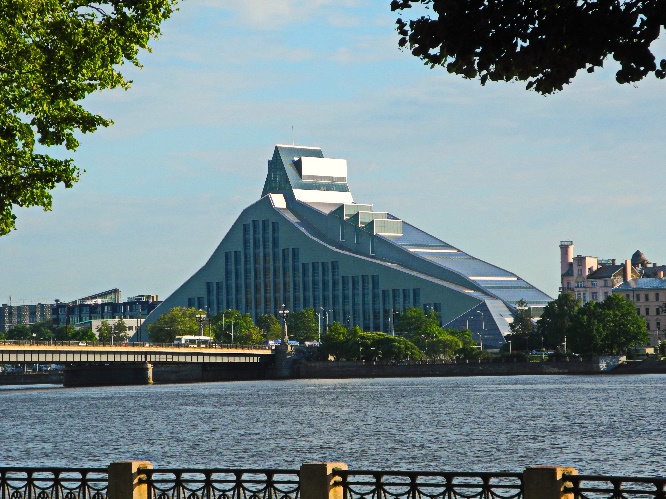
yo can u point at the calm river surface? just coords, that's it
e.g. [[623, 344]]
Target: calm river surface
[[598, 424]]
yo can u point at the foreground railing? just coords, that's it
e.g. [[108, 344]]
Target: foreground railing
[[39, 483], [221, 484], [138, 480], [607, 487], [428, 485]]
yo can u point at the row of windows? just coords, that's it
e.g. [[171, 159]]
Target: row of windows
[[594, 296], [658, 311], [261, 277], [646, 296], [657, 325]]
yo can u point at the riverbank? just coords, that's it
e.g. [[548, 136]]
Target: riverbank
[[344, 369], [197, 373]]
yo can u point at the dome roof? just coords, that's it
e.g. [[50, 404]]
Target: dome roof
[[638, 259]]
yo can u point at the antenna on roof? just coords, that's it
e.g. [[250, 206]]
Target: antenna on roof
[[293, 142]]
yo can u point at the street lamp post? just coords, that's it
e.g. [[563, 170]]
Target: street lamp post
[[232, 327], [326, 315], [141, 321], [201, 318], [318, 326], [138, 324], [426, 345], [483, 327], [391, 325], [284, 315]]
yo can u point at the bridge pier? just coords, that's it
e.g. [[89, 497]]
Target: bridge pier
[[284, 361], [112, 374]]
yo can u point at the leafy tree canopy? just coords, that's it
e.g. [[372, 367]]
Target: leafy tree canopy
[[245, 332], [541, 42], [39, 331], [556, 319], [302, 326], [104, 331], [19, 332], [83, 334], [414, 322], [522, 324], [334, 341], [355, 344], [607, 328], [179, 321], [120, 332], [270, 327], [53, 53]]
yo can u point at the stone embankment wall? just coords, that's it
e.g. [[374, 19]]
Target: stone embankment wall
[[651, 365], [205, 372], [339, 370], [41, 378]]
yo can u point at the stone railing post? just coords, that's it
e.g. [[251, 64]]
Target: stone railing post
[[124, 480], [545, 482], [316, 481]]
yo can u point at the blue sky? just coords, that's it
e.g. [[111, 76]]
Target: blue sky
[[497, 171]]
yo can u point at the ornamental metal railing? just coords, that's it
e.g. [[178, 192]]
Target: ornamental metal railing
[[221, 484], [94, 483], [615, 487], [429, 485], [45, 483]]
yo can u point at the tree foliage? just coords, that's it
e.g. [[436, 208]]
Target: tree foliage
[[104, 331], [341, 343], [53, 53], [437, 343], [179, 321], [556, 319], [120, 332], [302, 326], [541, 42], [244, 331], [40, 331], [415, 322], [523, 330], [607, 328], [270, 327]]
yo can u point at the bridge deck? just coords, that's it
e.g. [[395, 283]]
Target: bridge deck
[[45, 354]]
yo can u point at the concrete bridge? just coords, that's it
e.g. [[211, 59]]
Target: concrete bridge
[[88, 365], [48, 354]]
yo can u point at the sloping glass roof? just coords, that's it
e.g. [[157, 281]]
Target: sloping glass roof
[[284, 177], [497, 281]]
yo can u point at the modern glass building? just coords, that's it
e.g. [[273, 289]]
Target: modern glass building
[[307, 244]]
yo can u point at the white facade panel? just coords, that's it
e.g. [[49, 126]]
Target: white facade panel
[[323, 167]]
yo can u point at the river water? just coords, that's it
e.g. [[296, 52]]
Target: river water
[[597, 424]]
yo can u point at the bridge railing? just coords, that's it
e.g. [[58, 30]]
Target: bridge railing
[[138, 480], [62, 343]]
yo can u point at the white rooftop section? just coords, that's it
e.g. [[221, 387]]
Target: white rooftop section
[[321, 169], [312, 197], [278, 200]]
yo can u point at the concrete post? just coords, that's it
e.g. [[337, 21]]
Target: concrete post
[[545, 482], [124, 480], [316, 481]]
